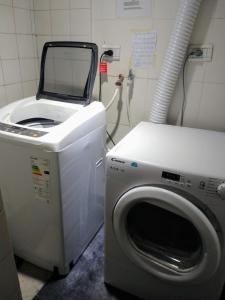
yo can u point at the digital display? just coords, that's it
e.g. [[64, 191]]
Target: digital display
[[171, 176]]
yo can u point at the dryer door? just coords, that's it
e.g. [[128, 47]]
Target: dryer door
[[166, 235]]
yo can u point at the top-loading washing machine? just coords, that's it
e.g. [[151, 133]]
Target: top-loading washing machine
[[52, 159], [165, 213]]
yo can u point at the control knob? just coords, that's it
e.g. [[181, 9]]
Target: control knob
[[221, 190]]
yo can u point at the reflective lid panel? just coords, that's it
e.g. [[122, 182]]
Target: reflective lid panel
[[68, 71]]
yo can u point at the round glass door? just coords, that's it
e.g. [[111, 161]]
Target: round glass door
[[165, 234], [170, 238]]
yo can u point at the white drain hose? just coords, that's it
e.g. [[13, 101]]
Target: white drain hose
[[174, 59], [113, 98]]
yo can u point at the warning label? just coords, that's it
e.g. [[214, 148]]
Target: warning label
[[41, 178]]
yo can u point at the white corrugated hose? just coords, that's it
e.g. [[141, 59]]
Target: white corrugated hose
[[174, 59]]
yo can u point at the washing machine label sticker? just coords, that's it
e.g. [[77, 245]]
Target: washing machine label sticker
[[40, 169]]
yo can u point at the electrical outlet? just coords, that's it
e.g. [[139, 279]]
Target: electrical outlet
[[207, 52], [115, 49]]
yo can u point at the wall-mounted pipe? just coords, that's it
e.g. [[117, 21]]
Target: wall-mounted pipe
[[174, 59]]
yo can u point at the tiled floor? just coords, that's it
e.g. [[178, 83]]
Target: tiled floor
[[31, 279]]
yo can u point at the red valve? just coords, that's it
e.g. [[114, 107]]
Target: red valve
[[103, 68]]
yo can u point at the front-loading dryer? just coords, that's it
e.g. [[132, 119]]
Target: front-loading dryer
[[164, 213]]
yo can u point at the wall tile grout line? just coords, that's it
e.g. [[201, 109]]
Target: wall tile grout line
[[20, 64]]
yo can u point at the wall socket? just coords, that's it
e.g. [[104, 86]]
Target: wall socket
[[207, 52], [115, 49]]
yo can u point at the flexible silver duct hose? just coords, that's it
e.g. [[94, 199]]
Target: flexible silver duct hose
[[174, 59]]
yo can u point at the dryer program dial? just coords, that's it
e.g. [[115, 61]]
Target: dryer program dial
[[221, 190]]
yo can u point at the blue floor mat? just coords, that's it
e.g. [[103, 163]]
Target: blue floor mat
[[85, 281]]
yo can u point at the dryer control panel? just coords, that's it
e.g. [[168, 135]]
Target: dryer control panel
[[21, 130], [209, 186]]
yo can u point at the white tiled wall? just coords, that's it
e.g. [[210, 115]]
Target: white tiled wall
[[96, 20], [205, 82], [62, 20], [18, 53]]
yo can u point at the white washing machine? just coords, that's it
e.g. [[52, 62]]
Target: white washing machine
[[9, 284], [165, 213], [52, 160]]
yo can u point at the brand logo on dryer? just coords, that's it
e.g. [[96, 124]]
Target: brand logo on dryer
[[118, 160], [118, 165]]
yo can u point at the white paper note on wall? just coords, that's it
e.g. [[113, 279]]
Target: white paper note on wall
[[143, 48], [133, 8]]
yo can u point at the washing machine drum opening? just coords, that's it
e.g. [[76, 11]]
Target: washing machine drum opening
[[164, 236], [39, 122]]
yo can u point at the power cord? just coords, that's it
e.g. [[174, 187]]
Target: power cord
[[108, 53], [110, 138], [197, 52], [130, 84]]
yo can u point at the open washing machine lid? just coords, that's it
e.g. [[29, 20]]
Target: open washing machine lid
[[68, 71]]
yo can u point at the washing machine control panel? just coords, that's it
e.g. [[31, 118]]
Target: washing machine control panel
[[21, 130]]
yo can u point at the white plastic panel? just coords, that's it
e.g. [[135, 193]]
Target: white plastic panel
[[9, 284], [34, 223], [5, 245], [82, 181]]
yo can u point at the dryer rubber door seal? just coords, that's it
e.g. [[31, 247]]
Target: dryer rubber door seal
[[182, 207]]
